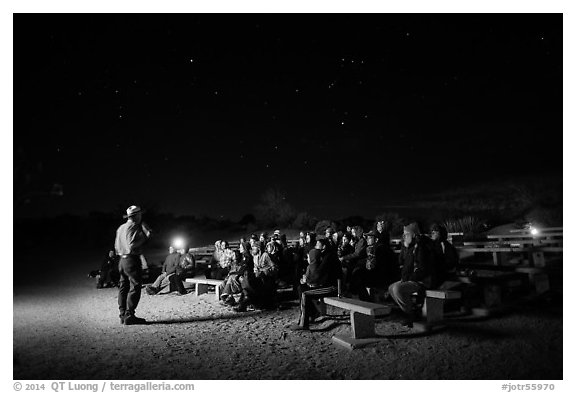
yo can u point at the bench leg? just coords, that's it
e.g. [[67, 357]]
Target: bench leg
[[217, 290], [201, 289], [362, 325], [433, 310]]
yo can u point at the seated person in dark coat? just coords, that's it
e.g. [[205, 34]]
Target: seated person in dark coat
[[187, 265], [416, 262], [108, 276], [168, 280], [445, 255], [350, 261], [380, 270], [320, 280], [345, 248]]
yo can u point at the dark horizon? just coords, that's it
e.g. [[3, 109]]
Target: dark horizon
[[201, 114]]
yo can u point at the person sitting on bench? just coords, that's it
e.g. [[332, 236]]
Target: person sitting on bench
[[320, 280], [108, 275], [445, 255], [168, 280], [380, 270], [416, 264], [221, 260], [258, 284], [187, 264], [350, 261], [345, 248], [232, 283]]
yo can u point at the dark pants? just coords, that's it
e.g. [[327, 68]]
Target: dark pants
[[260, 291], [109, 275], [347, 268], [401, 292], [216, 273], [130, 285], [362, 278], [307, 296]]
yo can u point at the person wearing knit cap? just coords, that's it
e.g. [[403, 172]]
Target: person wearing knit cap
[[320, 280], [417, 269]]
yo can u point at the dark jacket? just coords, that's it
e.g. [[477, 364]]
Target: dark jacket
[[323, 270], [345, 249], [383, 237], [242, 263], [359, 253], [445, 259], [111, 262], [383, 263], [416, 261]]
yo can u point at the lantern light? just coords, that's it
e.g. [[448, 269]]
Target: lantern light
[[178, 243]]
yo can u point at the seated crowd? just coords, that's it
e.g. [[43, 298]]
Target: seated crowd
[[349, 260]]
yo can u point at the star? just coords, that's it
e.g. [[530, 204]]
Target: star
[[342, 123]]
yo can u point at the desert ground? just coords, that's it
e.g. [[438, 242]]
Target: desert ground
[[64, 328]]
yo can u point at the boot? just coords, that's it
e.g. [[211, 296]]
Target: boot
[[134, 320]]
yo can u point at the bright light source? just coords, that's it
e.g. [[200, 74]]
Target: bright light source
[[534, 231], [178, 243]]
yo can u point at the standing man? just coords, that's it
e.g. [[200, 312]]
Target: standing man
[[130, 237]]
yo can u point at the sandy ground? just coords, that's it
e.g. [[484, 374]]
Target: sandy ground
[[66, 329]]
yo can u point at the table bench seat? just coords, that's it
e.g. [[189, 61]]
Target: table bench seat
[[202, 285], [361, 319]]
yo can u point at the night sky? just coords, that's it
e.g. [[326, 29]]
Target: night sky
[[347, 114]]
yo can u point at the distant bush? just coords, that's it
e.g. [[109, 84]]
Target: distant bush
[[545, 216], [322, 225], [274, 210], [470, 226], [304, 221]]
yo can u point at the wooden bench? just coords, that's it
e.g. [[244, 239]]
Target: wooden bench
[[202, 285], [362, 320]]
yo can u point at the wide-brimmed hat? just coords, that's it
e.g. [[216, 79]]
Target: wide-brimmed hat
[[133, 210]]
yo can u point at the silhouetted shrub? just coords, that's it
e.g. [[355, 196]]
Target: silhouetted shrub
[[304, 221], [470, 226], [322, 225]]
